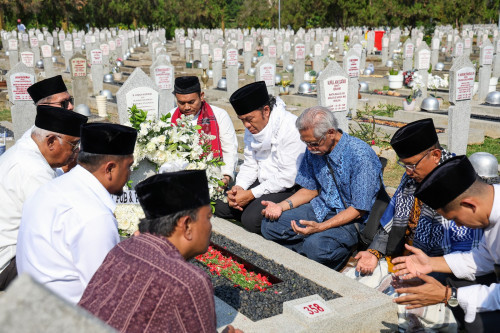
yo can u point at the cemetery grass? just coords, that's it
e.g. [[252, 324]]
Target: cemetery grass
[[5, 115], [490, 145]]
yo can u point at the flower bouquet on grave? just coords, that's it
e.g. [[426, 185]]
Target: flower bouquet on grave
[[434, 82], [408, 78], [128, 217], [416, 91]]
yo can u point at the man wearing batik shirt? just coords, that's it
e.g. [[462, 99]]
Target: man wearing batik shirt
[[340, 176], [212, 120], [145, 283]]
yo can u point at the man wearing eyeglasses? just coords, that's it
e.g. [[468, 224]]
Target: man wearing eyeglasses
[[408, 221], [340, 176], [30, 163]]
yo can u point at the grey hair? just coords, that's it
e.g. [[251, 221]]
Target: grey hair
[[165, 225], [40, 134], [319, 118]]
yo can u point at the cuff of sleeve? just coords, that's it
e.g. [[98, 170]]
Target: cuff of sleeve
[[456, 263], [466, 297], [257, 191]]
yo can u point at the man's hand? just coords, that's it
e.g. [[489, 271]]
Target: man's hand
[[431, 292], [410, 266], [238, 197], [366, 262], [272, 211], [310, 227]]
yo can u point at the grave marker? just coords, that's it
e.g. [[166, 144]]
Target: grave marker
[[408, 50], [266, 71], [162, 74], [422, 63], [485, 62], [333, 86], [97, 70], [299, 67], [231, 70], [78, 69], [217, 66], [351, 66], [247, 55]]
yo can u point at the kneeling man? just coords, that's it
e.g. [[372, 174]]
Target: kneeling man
[[340, 176]]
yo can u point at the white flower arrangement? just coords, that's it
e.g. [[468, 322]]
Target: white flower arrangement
[[435, 82], [181, 145], [128, 217]]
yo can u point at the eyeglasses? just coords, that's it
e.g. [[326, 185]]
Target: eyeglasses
[[315, 144], [65, 104], [74, 146], [412, 167]]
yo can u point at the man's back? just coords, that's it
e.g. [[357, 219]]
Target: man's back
[[145, 285]]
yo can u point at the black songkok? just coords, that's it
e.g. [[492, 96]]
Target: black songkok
[[108, 139], [249, 98], [172, 192], [59, 120], [187, 85], [446, 182], [414, 138], [46, 88]]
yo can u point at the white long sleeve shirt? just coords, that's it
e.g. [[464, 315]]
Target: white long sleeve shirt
[[66, 231], [275, 171], [228, 140], [479, 261], [23, 169]]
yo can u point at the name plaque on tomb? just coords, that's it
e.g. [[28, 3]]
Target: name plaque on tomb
[[424, 59], [335, 93], [50, 40], [92, 39], [232, 57], [487, 58], [409, 50], [88, 40], [266, 41], [248, 46], [267, 74], [28, 58], [287, 47], [182, 40], [118, 42], [129, 197], [385, 42], [13, 44], [78, 67], [62, 36], [313, 309], [467, 42], [68, 46], [459, 49], [464, 79], [163, 77], [20, 84], [112, 45], [105, 49], [205, 50], [188, 43], [40, 37], [46, 51], [25, 38], [307, 38], [217, 54], [144, 98], [220, 42], [300, 52], [317, 50], [196, 44], [96, 57], [272, 51], [34, 42], [353, 66], [77, 42]]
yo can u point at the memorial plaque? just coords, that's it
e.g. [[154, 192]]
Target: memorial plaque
[[144, 98], [112, 45], [266, 41], [164, 76], [231, 57], [317, 50], [313, 309], [50, 40], [20, 84], [119, 42], [25, 38], [385, 42], [105, 49], [205, 50], [487, 55], [459, 49], [13, 44], [248, 46], [424, 59], [335, 93], [92, 39], [286, 47], [68, 46], [62, 36], [220, 42], [77, 42], [28, 58], [300, 52], [464, 79], [88, 39], [267, 74], [271, 50], [78, 67], [96, 57], [40, 37], [353, 66], [409, 50], [196, 44], [188, 43], [467, 43], [435, 43], [34, 42], [217, 54], [182, 40], [46, 51]]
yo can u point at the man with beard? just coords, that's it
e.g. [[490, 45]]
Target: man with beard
[[68, 226]]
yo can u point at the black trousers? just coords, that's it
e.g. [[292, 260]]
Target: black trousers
[[485, 321], [251, 216], [8, 274]]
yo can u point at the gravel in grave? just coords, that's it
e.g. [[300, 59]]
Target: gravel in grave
[[260, 305]]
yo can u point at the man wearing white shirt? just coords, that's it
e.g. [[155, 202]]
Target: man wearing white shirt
[[213, 120], [455, 191], [68, 226], [30, 163], [273, 152]]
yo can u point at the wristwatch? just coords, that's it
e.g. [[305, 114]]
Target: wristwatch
[[453, 301]]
